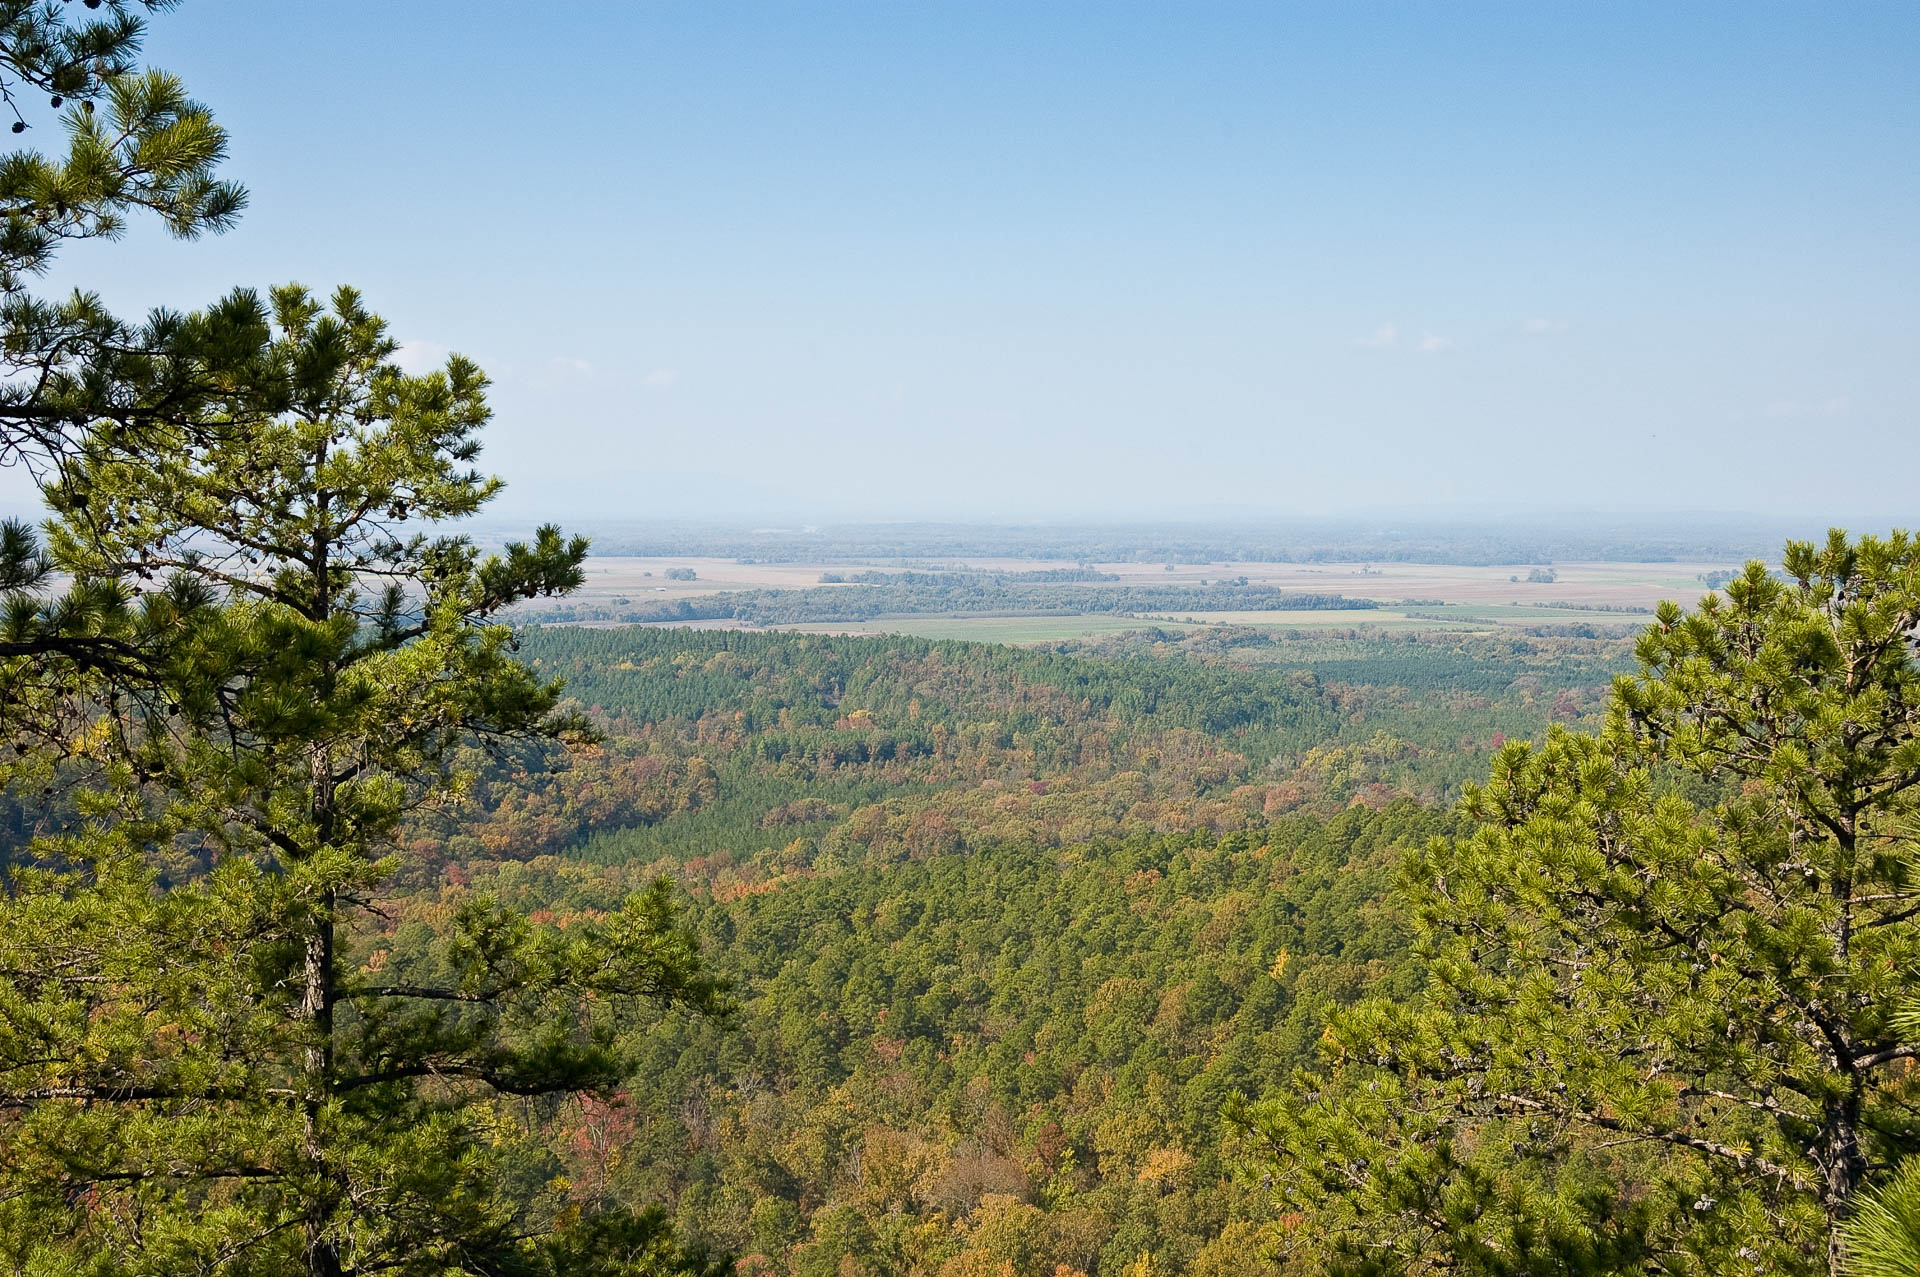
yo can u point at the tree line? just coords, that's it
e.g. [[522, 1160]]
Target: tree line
[[922, 594]]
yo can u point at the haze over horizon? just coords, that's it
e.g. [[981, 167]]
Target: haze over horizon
[[1085, 263]]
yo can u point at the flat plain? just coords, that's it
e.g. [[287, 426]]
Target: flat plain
[[1407, 595]]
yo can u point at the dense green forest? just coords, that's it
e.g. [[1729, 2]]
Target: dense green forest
[[1054, 960], [1009, 928], [1040, 954], [741, 745], [1017, 1055]]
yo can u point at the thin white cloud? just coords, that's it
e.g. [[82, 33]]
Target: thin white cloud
[[660, 378], [417, 357], [1835, 407], [568, 364], [1432, 345], [1384, 337], [1541, 326]]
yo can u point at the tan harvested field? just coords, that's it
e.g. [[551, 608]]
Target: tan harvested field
[[1413, 595], [608, 577], [1580, 585]]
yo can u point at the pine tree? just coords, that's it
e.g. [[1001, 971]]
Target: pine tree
[[69, 370], [1883, 1237], [135, 143], [178, 379], [1658, 1023], [204, 1065]]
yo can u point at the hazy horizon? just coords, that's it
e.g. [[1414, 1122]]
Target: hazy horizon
[[510, 518], [1100, 262]]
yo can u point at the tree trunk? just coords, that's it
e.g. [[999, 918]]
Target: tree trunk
[[322, 1249], [1842, 1159], [316, 1008], [1844, 1167]]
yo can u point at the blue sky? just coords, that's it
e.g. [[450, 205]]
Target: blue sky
[[1065, 261]]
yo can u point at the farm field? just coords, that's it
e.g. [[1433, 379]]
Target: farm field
[[1463, 619], [1064, 602], [1587, 584], [1321, 618], [990, 629]]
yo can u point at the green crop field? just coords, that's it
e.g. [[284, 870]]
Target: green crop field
[[995, 629], [1301, 618]]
